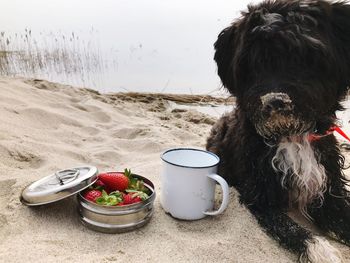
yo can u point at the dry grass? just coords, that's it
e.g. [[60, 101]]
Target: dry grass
[[51, 54], [178, 98]]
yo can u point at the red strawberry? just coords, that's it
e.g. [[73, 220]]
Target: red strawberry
[[137, 199], [114, 181], [92, 195], [99, 183], [131, 199], [128, 199], [101, 186]]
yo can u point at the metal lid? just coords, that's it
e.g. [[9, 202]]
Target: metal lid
[[59, 185]]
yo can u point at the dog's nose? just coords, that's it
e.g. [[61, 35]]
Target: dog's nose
[[276, 102]]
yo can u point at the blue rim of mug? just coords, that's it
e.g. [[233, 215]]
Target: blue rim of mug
[[192, 149]]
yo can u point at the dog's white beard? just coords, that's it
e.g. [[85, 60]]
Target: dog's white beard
[[296, 159]]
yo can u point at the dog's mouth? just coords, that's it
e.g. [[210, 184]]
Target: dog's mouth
[[278, 126]]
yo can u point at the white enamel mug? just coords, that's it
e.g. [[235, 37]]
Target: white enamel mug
[[188, 180]]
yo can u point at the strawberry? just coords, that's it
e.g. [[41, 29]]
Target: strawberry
[[137, 199], [114, 181], [137, 194], [131, 198], [128, 199], [99, 183], [92, 195]]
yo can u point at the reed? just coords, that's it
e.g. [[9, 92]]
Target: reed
[[178, 98], [52, 56]]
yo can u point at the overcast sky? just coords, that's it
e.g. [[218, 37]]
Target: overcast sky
[[176, 36]]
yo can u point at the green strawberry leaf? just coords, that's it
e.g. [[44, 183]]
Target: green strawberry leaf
[[104, 194], [100, 201], [135, 183], [127, 173], [99, 187], [116, 194], [111, 200]]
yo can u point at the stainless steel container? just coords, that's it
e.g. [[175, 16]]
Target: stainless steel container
[[107, 219], [117, 219]]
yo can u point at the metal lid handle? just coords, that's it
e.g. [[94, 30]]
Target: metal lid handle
[[66, 176]]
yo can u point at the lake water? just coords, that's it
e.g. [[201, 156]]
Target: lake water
[[117, 45]]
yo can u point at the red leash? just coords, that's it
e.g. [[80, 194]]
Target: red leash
[[341, 132], [315, 137]]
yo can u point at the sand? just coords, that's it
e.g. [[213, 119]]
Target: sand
[[47, 127]]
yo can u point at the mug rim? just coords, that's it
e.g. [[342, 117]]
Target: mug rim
[[192, 149]]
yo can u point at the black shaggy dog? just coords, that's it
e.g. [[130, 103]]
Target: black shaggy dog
[[288, 65]]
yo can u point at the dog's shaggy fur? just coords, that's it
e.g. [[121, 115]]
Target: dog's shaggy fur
[[288, 65]]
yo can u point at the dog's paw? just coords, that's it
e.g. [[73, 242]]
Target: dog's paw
[[318, 250]]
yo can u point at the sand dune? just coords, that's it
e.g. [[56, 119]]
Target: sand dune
[[46, 127]]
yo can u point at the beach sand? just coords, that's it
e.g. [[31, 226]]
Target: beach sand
[[46, 127]]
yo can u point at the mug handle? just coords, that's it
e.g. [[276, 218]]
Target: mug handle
[[225, 195]]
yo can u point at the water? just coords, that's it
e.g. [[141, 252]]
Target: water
[[213, 110], [153, 46]]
